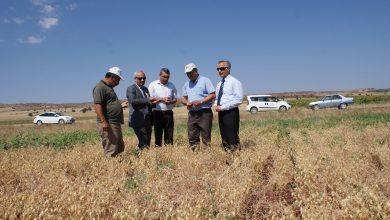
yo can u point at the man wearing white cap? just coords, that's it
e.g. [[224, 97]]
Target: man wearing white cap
[[109, 112], [198, 94]]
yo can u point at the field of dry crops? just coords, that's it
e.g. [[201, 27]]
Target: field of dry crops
[[298, 164]]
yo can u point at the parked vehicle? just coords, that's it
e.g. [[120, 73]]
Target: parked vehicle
[[332, 101], [265, 103], [53, 118]]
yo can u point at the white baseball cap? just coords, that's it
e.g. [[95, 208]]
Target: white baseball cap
[[115, 70], [189, 67]]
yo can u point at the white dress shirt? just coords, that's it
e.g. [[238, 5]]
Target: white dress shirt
[[159, 90], [232, 93]]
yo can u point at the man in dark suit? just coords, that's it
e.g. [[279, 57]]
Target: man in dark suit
[[140, 106]]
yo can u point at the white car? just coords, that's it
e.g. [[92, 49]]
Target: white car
[[265, 103], [53, 118]]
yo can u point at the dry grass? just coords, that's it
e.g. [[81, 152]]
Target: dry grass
[[284, 171]]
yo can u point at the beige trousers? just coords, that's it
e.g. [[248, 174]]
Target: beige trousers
[[112, 140]]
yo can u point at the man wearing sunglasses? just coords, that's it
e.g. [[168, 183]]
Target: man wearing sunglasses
[[229, 97], [198, 94], [165, 92], [140, 109], [109, 112]]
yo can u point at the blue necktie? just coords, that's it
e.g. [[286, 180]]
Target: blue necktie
[[220, 92]]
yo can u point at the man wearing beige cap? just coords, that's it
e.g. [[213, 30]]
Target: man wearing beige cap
[[198, 95], [109, 112]]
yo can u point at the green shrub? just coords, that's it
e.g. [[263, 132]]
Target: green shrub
[[372, 99], [304, 102], [56, 140]]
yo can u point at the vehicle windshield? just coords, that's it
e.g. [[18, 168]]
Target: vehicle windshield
[[273, 99], [59, 114]]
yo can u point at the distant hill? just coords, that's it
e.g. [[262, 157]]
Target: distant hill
[[297, 95], [45, 106]]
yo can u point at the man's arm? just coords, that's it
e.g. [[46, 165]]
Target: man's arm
[[185, 101], [172, 100], [210, 97], [98, 99], [133, 100], [210, 90], [99, 112]]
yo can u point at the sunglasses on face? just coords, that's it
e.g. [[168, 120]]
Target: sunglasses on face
[[221, 68], [141, 78]]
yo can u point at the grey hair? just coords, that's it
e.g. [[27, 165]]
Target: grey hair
[[225, 61], [138, 71]]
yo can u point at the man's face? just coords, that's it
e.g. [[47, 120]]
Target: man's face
[[223, 69], [114, 80], [164, 77], [140, 79], [192, 75]]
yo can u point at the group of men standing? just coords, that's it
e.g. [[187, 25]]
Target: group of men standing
[[153, 107]]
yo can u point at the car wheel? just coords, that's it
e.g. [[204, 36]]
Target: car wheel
[[342, 106], [315, 107], [254, 110], [39, 123], [61, 121], [282, 108]]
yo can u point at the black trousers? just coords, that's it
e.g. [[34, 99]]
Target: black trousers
[[144, 133], [199, 123], [163, 124], [229, 126]]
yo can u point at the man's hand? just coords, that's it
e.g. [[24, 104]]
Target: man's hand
[[218, 108], [105, 126], [189, 104], [125, 104], [153, 99], [197, 103], [167, 100]]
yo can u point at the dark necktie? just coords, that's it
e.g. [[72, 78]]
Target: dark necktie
[[143, 91], [220, 92]]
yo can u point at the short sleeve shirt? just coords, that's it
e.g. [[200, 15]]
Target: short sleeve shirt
[[198, 90], [112, 109], [159, 90]]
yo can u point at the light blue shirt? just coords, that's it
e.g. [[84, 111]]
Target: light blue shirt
[[232, 93], [198, 90]]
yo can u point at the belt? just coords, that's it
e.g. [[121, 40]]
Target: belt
[[201, 110], [229, 110]]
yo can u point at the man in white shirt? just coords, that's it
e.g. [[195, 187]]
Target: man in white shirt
[[166, 95], [229, 95]]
